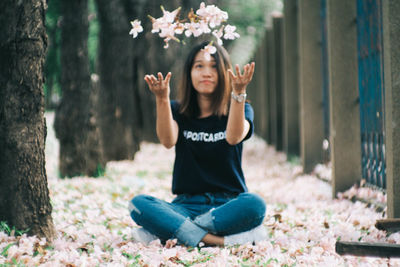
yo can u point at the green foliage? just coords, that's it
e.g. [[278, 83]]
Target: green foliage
[[53, 59], [53, 64], [142, 173], [294, 160], [13, 263], [11, 231], [133, 258], [250, 16], [4, 252], [93, 35], [100, 171]]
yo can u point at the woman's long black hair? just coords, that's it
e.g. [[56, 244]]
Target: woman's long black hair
[[187, 95]]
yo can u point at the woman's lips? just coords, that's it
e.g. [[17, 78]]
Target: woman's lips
[[207, 81]]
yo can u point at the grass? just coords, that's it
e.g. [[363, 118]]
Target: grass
[[12, 231]]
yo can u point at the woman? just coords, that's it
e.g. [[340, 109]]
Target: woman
[[207, 127]]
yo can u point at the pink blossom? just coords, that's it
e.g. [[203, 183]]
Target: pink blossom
[[218, 35], [230, 32], [166, 26], [203, 27], [208, 50], [202, 11], [13, 252], [136, 28], [169, 17], [167, 32], [395, 238], [179, 28], [212, 14], [192, 28], [201, 22]]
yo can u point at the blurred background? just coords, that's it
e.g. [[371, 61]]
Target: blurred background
[[251, 17], [94, 71]]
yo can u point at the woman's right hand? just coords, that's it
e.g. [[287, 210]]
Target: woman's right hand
[[166, 127], [160, 86]]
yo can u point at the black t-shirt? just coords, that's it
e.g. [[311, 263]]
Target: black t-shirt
[[204, 161]]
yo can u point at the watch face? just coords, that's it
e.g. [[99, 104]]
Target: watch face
[[239, 98]]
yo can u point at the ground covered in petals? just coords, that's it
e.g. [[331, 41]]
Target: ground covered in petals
[[94, 227]]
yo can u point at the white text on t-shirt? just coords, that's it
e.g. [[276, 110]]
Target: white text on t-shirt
[[204, 137]]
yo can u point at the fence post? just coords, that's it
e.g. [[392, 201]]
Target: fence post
[[391, 54], [291, 131], [253, 92], [260, 87], [272, 126], [344, 94], [310, 70], [277, 22]]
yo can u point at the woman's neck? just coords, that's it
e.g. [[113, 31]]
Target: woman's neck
[[204, 103]]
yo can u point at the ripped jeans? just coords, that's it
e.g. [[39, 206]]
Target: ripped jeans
[[189, 218]]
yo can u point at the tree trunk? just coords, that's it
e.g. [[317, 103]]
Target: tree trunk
[[75, 123], [24, 196], [120, 128]]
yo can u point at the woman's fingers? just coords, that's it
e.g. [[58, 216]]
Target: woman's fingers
[[252, 67], [168, 77], [238, 71], [231, 74], [249, 70], [240, 80], [160, 76], [153, 79], [246, 69], [158, 84], [147, 78]]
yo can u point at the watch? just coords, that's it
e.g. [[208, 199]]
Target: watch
[[239, 98]]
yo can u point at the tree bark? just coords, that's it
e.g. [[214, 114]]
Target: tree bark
[[76, 120], [120, 128], [24, 196]]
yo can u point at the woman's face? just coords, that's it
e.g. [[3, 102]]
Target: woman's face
[[204, 74]]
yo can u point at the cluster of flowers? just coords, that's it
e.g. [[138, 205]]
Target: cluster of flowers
[[208, 19]]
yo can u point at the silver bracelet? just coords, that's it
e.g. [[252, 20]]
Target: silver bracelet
[[239, 98]]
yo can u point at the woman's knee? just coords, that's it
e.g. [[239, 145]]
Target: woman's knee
[[255, 205], [139, 203]]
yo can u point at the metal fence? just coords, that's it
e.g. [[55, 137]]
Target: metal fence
[[325, 72], [371, 88], [325, 80]]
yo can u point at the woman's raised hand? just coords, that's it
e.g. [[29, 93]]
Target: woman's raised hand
[[240, 81], [160, 86]]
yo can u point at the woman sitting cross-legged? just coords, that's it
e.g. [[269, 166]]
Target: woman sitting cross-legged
[[207, 126]]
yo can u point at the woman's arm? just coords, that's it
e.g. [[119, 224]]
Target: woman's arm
[[166, 127], [238, 126]]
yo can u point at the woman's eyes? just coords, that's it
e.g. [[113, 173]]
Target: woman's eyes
[[199, 66]]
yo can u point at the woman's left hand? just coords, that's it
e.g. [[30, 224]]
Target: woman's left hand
[[240, 81]]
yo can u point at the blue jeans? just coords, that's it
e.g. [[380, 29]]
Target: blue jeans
[[189, 218]]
